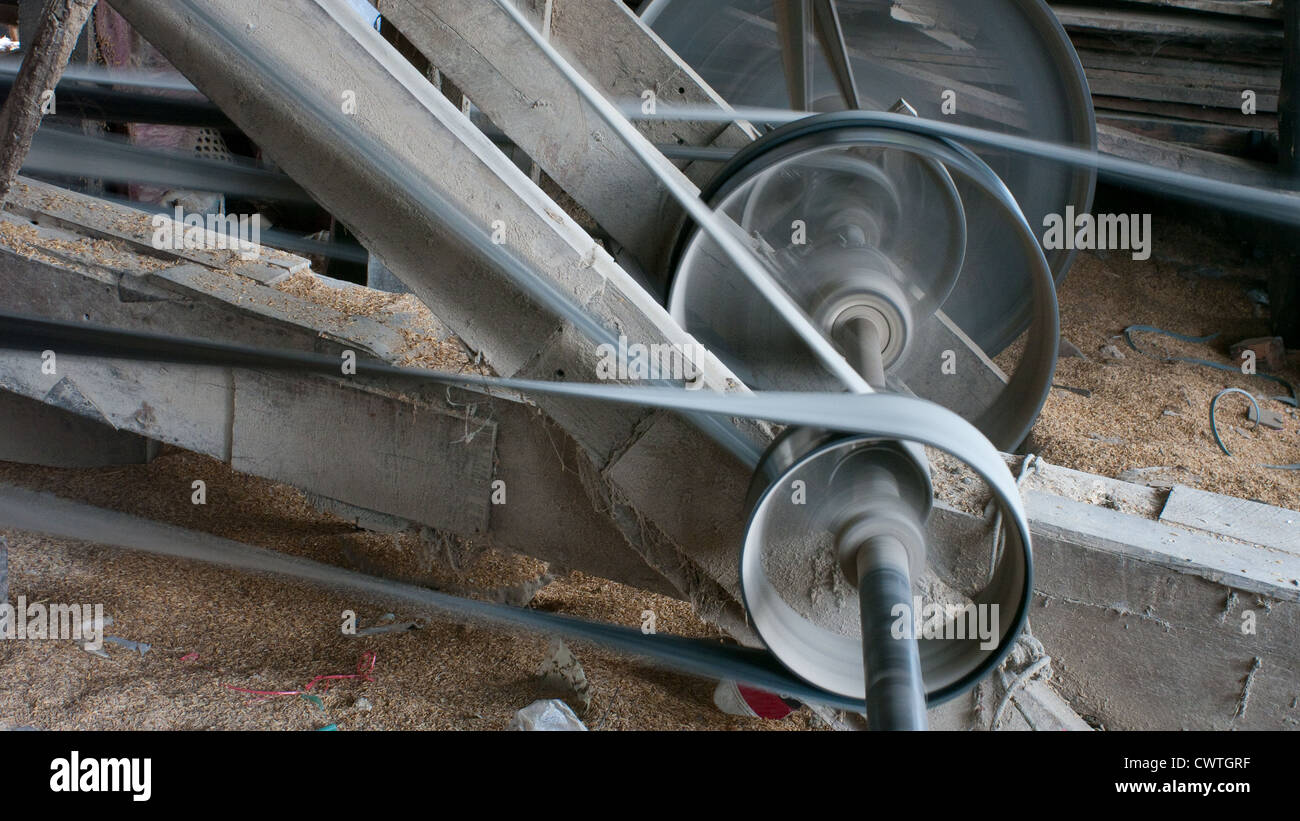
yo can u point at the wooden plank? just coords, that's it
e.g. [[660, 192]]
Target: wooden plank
[[1240, 519], [531, 101], [1255, 9], [1168, 25], [326, 323], [1121, 143], [1143, 86], [1102, 43], [1141, 46], [89, 216], [1141, 637], [1139, 647], [1188, 113], [1223, 139], [1186, 70], [1274, 572], [550, 514], [392, 454]]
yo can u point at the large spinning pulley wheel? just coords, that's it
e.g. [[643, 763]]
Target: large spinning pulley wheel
[[867, 229], [999, 65]]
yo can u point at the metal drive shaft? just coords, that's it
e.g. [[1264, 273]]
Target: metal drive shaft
[[864, 344], [895, 692]]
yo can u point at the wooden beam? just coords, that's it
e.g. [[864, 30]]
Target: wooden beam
[[1216, 94], [379, 171], [255, 422], [1192, 27], [43, 63], [1251, 143], [1284, 282], [534, 104], [1142, 616], [1186, 113], [1121, 143], [1255, 9], [1289, 101], [1265, 525]]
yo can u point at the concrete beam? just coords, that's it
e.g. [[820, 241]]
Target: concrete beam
[[1150, 625], [433, 477], [509, 79], [45, 432]]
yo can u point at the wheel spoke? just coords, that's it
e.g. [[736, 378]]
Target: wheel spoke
[[792, 27], [830, 34]]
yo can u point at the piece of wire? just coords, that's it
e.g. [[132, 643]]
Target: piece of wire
[[1219, 366], [363, 672], [1214, 426]]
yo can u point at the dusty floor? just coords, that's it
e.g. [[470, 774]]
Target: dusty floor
[[266, 634], [213, 629], [1144, 412]]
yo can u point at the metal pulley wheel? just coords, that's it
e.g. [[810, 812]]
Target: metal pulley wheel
[[867, 229], [1000, 65], [817, 500]]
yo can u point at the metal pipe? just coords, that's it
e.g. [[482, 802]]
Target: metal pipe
[[864, 348], [895, 692]]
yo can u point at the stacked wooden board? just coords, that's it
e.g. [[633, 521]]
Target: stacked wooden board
[[1190, 83]]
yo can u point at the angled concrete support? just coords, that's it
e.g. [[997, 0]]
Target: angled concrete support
[[60, 430], [318, 57], [529, 99], [1152, 624], [382, 458]]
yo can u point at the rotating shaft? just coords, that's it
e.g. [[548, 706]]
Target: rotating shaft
[[880, 549], [895, 692], [864, 348]]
